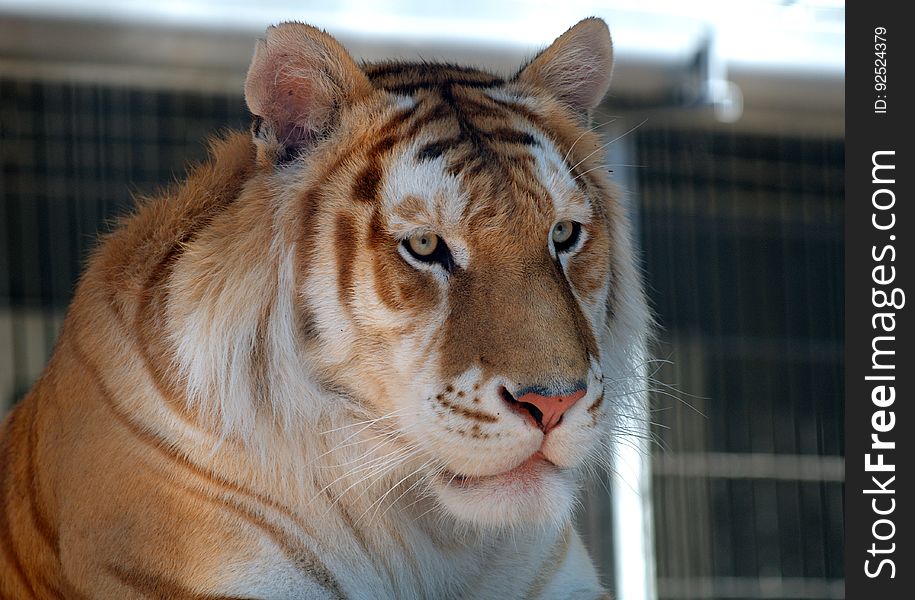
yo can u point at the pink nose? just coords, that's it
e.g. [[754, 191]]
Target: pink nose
[[547, 411]]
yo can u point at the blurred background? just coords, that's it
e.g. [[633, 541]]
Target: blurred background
[[727, 125]]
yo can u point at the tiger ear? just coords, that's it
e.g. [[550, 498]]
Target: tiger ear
[[576, 67], [297, 82]]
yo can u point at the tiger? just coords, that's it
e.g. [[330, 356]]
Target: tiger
[[370, 348]]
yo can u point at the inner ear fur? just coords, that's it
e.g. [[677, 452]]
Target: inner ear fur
[[299, 79], [576, 68]]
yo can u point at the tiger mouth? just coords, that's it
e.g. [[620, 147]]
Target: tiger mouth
[[534, 467]]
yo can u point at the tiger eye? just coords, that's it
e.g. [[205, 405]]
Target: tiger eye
[[423, 244], [562, 231]]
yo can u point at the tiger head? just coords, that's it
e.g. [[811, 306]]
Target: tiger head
[[461, 266]]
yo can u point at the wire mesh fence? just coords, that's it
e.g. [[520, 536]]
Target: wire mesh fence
[[743, 247]]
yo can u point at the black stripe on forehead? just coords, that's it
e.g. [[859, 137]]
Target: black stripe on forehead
[[465, 111], [408, 78], [450, 93], [579, 177], [442, 82], [505, 136]]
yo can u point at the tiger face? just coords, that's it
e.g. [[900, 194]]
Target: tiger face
[[462, 266]]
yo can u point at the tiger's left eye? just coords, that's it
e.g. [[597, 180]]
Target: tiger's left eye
[[564, 235], [423, 244]]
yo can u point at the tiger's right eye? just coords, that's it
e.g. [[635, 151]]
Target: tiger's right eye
[[423, 244], [429, 248]]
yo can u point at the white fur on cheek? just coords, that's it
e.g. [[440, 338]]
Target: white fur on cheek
[[216, 339], [214, 336]]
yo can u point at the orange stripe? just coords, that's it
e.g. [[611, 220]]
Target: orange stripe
[[39, 519], [157, 586], [367, 183], [304, 558], [7, 458], [345, 236]]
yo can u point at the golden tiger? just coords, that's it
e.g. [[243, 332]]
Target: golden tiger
[[367, 350]]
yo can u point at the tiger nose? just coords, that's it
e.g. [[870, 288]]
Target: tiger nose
[[545, 408]]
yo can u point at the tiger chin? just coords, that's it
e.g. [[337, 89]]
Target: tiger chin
[[369, 349]]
